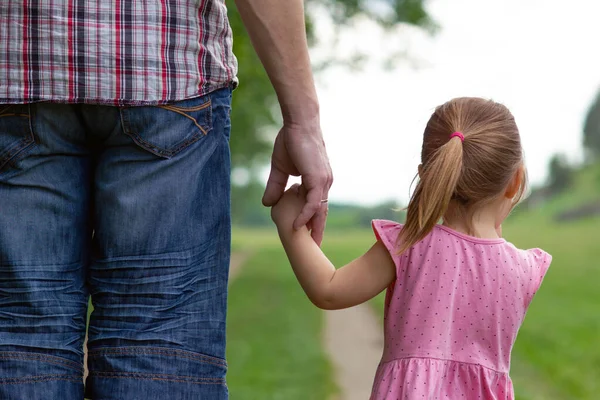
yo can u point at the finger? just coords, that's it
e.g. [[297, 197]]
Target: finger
[[275, 187], [313, 204], [318, 224], [302, 191], [319, 220]]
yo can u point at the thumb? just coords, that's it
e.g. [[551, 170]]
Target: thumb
[[275, 187]]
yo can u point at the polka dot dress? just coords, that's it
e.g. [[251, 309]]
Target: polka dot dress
[[452, 315]]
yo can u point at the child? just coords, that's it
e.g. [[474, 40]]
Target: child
[[457, 292]]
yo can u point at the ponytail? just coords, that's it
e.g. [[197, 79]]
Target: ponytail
[[438, 181]]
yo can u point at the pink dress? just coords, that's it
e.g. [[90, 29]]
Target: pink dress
[[452, 315]]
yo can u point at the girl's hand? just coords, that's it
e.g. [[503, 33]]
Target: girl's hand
[[289, 206]]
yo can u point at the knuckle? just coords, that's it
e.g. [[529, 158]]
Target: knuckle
[[314, 208]]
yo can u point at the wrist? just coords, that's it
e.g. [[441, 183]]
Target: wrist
[[299, 109], [287, 233], [283, 226]]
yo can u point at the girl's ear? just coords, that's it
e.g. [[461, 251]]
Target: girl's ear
[[515, 183]]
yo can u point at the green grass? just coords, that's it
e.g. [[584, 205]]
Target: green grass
[[557, 347], [252, 239], [274, 335]]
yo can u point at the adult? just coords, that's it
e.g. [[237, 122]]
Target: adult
[[114, 183]]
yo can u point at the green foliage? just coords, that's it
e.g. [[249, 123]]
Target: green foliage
[[248, 212], [345, 216], [561, 174], [254, 103], [388, 13], [591, 130], [246, 207]]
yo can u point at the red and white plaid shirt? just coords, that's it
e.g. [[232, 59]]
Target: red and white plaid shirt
[[118, 52]]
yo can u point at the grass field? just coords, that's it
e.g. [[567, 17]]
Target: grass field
[[274, 340], [275, 333]]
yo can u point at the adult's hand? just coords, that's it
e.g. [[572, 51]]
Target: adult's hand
[[299, 150]]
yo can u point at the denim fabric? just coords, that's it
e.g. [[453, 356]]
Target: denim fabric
[[130, 206]]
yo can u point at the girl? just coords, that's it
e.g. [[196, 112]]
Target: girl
[[457, 292]]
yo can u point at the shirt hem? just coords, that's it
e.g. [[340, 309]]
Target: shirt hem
[[101, 101]]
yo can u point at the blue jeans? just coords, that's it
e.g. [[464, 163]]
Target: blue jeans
[[128, 205]]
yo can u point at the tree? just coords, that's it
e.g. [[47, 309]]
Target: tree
[[561, 174], [255, 115], [591, 130]]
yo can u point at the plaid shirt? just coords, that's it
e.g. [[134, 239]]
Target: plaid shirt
[[118, 52]]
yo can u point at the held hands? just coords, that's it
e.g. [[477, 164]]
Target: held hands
[[288, 207], [300, 151]]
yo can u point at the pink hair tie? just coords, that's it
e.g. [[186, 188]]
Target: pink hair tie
[[458, 135]]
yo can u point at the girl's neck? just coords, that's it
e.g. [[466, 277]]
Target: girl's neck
[[483, 224], [483, 231]]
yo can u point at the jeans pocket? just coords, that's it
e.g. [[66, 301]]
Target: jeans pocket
[[168, 129], [16, 134]]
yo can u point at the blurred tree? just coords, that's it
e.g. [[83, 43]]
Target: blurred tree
[[255, 115], [561, 174], [591, 130], [245, 207]]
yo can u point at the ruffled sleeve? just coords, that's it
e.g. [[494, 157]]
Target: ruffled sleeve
[[539, 264], [387, 233]]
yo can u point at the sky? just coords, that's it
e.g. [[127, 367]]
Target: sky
[[537, 57]]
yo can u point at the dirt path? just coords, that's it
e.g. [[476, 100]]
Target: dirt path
[[237, 260], [354, 341]]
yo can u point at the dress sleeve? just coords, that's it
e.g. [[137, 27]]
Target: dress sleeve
[[387, 233], [540, 262]]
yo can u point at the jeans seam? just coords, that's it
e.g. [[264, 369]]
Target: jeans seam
[[14, 115], [159, 377], [11, 355], [122, 351], [40, 378], [15, 150], [200, 107], [194, 120]]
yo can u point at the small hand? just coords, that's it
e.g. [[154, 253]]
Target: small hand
[[299, 150], [288, 207]]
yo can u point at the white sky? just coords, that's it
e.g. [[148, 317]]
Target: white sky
[[540, 58]]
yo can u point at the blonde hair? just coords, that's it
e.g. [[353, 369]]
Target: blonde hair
[[467, 173]]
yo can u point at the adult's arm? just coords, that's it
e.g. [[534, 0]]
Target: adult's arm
[[277, 31]]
